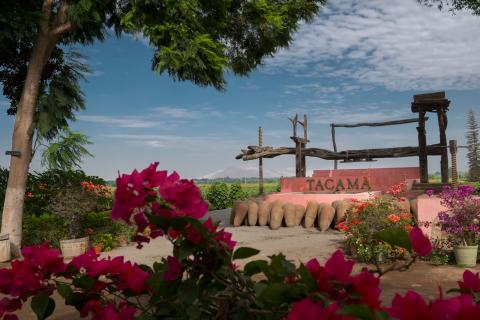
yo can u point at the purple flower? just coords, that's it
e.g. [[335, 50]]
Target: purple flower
[[429, 192]]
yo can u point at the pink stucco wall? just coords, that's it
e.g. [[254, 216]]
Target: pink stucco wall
[[305, 198], [379, 179], [428, 209]]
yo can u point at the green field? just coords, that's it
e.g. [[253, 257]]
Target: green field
[[249, 188]]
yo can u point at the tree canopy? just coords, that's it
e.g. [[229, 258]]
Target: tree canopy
[[455, 5]]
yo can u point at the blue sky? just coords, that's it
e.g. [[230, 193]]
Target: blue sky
[[358, 61]]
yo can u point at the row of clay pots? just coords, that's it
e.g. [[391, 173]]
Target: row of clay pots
[[277, 214]]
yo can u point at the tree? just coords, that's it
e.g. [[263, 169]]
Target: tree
[[66, 151], [455, 5], [198, 41], [473, 145]]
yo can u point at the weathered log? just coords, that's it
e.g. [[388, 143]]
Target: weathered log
[[375, 124], [399, 152]]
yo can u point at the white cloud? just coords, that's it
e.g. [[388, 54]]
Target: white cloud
[[184, 113], [119, 121], [166, 141], [396, 44], [341, 114]]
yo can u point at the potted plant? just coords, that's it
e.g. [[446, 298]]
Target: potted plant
[[71, 203], [461, 222], [102, 241]]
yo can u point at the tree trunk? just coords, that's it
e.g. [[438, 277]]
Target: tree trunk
[[22, 141]]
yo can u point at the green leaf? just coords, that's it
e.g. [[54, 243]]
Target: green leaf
[[307, 278], [42, 305], [244, 253], [359, 311], [84, 282], [65, 291], [395, 237], [188, 291], [254, 267]]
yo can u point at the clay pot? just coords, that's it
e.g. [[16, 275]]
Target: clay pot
[[252, 217], [341, 210], [276, 216], [98, 248], [239, 213], [311, 214], [264, 209], [299, 214], [289, 214], [325, 217]]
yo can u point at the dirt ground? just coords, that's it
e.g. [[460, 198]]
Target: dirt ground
[[298, 244]]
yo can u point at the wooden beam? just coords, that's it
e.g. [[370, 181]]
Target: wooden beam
[[260, 162], [442, 125], [375, 124], [255, 152], [335, 164], [422, 148], [429, 96]]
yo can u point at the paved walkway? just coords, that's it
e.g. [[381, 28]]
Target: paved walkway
[[298, 244]]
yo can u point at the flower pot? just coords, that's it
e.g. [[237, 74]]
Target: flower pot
[[98, 248], [4, 248], [122, 240], [466, 256], [74, 247]]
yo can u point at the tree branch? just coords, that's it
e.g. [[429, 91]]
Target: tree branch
[[62, 24], [47, 13]]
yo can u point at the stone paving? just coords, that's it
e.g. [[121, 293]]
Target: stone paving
[[298, 244]]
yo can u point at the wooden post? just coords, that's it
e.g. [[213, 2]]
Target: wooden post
[[422, 148], [298, 159], [260, 162], [442, 125], [335, 165], [453, 152]]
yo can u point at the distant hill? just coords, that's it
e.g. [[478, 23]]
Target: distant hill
[[242, 173]]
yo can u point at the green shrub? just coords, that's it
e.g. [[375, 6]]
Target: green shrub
[[101, 222], [46, 227], [236, 192], [218, 195]]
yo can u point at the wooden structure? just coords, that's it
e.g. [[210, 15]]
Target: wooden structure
[[260, 162], [432, 102]]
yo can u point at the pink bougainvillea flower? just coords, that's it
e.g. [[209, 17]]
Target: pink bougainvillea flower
[[410, 307], [174, 269], [420, 243], [222, 237], [338, 268], [367, 285], [470, 283], [307, 309], [183, 196], [47, 259], [429, 192]]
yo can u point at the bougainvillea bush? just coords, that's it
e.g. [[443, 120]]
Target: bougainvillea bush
[[461, 220], [368, 222], [200, 279]]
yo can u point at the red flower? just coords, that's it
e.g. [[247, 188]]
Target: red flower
[[393, 217], [367, 285], [420, 243], [174, 269]]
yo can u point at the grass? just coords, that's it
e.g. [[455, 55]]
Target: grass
[[249, 188]]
